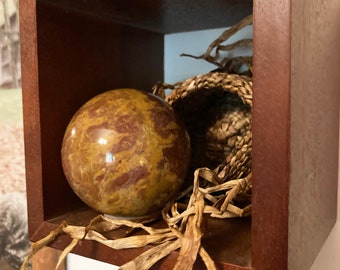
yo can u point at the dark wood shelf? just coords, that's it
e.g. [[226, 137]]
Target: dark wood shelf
[[73, 50], [164, 17]]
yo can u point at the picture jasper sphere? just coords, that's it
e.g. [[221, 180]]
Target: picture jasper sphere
[[124, 153]]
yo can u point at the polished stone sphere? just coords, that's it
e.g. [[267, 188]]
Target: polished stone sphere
[[125, 153]]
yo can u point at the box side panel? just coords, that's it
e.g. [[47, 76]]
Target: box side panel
[[315, 90], [30, 96], [271, 112]]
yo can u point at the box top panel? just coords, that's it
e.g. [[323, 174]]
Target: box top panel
[[165, 16]]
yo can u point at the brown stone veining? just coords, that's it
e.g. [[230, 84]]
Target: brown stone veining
[[125, 153]]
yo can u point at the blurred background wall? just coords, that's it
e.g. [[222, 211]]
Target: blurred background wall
[[10, 72]]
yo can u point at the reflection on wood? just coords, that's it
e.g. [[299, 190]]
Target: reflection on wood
[[47, 258]]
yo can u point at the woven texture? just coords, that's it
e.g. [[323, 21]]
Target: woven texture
[[216, 110]]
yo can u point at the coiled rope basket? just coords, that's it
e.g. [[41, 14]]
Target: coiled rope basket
[[216, 110]]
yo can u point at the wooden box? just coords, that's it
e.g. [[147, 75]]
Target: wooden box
[[73, 49]]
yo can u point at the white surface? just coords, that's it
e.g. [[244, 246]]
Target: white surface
[[76, 262], [329, 255]]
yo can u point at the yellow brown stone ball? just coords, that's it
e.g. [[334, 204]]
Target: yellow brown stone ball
[[125, 153]]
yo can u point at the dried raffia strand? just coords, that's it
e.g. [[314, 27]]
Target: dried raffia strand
[[66, 251], [237, 189], [209, 263], [210, 176], [211, 198], [147, 259], [216, 44], [132, 224], [35, 247], [102, 223], [237, 44], [226, 186], [191, 240], [77, 232], [177, 218]]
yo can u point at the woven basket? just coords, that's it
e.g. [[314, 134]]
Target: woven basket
[[216, 110]]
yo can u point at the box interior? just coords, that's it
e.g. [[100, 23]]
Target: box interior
[[85, 48]]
